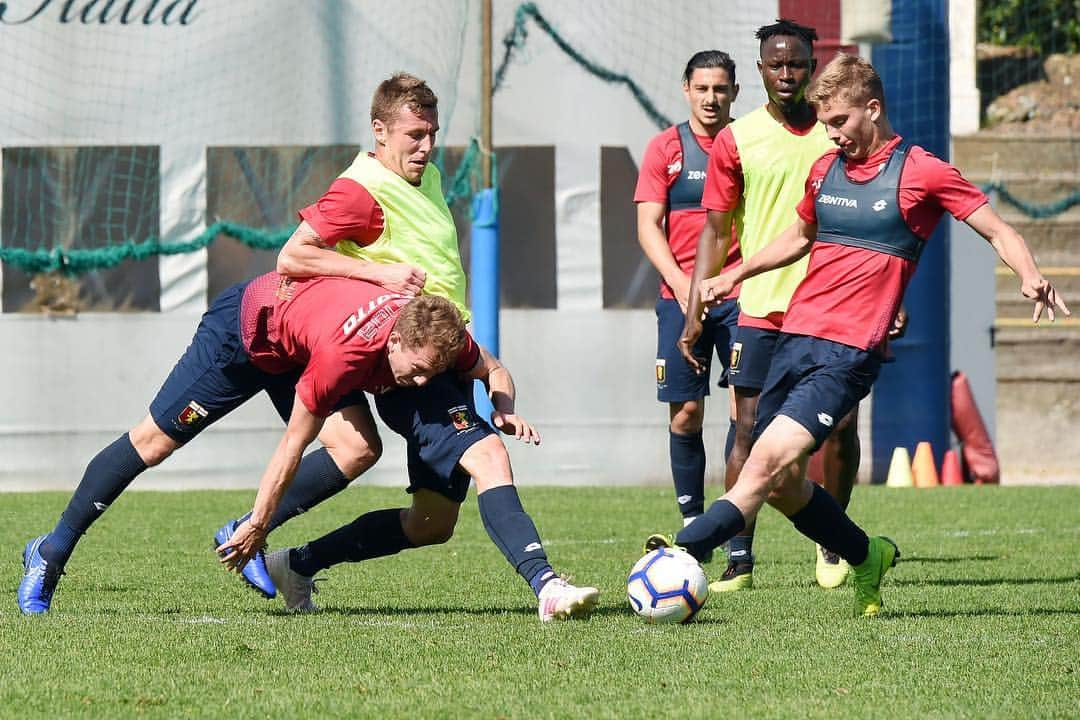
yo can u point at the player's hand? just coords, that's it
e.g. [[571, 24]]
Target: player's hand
[[690, 334], [1045, 296], [401, 278], [899, 324], [713, 290], [681, 290], [245, 542], [512, 424]]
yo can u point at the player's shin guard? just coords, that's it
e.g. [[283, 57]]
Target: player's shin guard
[[716, 526], [374, 534], [513, 531], [823, 521], [688, 472], [317, 478], [106, 476]]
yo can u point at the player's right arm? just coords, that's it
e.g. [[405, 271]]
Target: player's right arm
[[784, 249], [654, 243], [250, 535], [305, 254], [658, 170]]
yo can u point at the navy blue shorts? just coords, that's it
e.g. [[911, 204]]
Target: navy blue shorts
[[214, 376], [439, 423], [815, 382], [751, 356], [676, 381]]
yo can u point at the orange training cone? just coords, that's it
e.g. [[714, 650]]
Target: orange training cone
[[950, 469], [899, 469], [923, 470]]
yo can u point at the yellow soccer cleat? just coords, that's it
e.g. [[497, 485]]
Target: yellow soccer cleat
[[831, 570], [866, 577], [738, 576]]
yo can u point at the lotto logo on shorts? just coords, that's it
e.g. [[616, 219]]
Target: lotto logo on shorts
[[461, 417], [193, 414], [736, 353], [661, 371]]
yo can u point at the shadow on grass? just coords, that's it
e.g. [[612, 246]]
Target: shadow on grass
[[989, 582], [948, 559], [987, 612], [410, 612]]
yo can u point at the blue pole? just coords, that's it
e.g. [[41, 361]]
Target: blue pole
[[911, 398], [484, 280]]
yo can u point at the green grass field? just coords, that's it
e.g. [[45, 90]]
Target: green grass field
[[982, 618]]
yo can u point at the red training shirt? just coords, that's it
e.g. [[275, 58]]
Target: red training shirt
[[336, 329], [346, 211], [850, 295], [660, 168]]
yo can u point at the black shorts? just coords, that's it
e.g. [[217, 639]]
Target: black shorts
[[439, 423], [816, 383]]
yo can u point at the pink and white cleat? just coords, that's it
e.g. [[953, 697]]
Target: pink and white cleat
[[559, 600]]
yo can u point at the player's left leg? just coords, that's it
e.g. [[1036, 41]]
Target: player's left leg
[[835, 467], [439, 420], [429, 521], [351, 445]]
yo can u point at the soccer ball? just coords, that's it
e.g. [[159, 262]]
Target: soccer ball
[[667, 586]]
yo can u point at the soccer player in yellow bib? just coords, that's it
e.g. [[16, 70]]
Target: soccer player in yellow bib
[[754, 181], [385, 220]]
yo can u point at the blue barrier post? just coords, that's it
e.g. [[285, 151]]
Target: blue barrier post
[[911, 398], [484, 281]]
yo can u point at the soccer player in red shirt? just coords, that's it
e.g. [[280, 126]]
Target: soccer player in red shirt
[[756, 170], [868, 208], [309, 346], [385, 218], [670, 218]]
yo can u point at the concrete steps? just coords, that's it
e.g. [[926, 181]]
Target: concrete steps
[[1038, 366]]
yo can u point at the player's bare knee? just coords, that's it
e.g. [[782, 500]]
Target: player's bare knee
[[355, 455], [687, 417], [151, 442], [425, 529], [488, 463]]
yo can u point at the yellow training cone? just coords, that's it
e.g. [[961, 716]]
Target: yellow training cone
[[923, 469], [899, 469]]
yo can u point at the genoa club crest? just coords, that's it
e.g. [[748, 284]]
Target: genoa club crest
[[192, 415], [736, 353], [461, 417]]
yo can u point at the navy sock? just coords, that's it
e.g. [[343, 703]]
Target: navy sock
[[824, 521], [106, 476], [720, 523], [688, 471], [513, 532], [729, 442], [741, 549], [374, 534], [317, 478]]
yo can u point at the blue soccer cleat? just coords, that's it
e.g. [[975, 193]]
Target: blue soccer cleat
[[254, 572], [39, 579]]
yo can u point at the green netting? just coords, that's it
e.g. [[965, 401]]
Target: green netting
[[269, 188]]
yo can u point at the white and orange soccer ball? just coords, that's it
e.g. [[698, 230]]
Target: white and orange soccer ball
[[667, 586]]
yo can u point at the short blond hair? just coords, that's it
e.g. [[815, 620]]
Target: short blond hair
[[433, 323], [398, 91], [849, 78]]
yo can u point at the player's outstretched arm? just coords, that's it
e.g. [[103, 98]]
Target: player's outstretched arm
[[653, 241], [1014, 252], [784, 249], [711, 255], [500, 387], [305, 254], [250, 535]]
